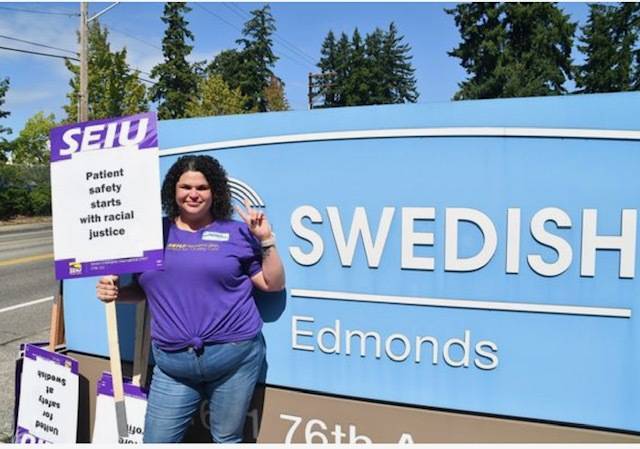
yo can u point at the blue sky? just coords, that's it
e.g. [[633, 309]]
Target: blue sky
[[41, 84]]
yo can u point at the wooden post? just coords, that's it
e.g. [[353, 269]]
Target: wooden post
[[116, 368], [56, 331]]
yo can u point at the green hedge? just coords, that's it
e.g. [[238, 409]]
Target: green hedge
[[24, 190]]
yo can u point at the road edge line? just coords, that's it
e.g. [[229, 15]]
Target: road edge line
[[26, 304]]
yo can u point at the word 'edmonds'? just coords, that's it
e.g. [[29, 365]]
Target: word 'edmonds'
[[591, 241]]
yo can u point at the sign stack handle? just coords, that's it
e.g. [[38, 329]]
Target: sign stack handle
[[56, 332], [116, 368]]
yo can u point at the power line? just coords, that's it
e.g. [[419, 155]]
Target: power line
[[292, 47], [38, 53], [37, 44], [234, 9], [143, 79], [302, 63], [132, 37], [219, 17], [34, 11]]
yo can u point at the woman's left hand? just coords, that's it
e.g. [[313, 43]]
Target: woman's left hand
[[256, 220]]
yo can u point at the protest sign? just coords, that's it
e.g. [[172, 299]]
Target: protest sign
[[48, 410], [105, 429], [105, 186]]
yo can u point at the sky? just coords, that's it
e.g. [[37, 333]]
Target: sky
[[40, 83]]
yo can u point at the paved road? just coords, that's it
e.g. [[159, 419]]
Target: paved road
[[26, 275]]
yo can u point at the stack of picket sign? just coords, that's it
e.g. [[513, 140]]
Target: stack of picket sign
[[47, 383]]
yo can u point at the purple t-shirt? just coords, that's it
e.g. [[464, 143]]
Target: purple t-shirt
[[205, 293]]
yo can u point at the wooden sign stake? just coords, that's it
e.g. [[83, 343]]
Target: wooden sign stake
[[116, 368], [56, 332]]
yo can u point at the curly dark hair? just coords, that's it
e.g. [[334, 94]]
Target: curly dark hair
[[216, 177]]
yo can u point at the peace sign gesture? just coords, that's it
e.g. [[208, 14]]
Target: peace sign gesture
[[256, 220]]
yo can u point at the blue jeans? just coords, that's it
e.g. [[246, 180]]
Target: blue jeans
[[225, 374]]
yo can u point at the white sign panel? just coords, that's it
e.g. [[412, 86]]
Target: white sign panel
[[106, 197], [105, 429], [48, 410]]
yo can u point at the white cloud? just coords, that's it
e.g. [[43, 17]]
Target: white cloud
[[16, 98], [55, 31]]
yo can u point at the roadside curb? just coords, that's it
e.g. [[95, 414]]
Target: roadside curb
[[8, 229]]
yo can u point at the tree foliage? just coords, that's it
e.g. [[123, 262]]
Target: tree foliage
[[513, 49], [397, 72], [375, 69], [250, 67], [4, 144], [24, 190], [31, 146], [608, 42], [215, 97], [274, 95], [114, 89], [257, 58], [4, 87], [227, 64], [177, 80]]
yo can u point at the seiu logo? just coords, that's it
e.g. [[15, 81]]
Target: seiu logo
[[106, 135]]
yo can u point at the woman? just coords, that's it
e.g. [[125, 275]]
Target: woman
[[205, 327]]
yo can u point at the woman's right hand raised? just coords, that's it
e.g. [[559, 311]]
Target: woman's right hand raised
[[107, 288]]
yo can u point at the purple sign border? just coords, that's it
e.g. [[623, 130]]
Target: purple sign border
[[32, 352], [105, 387], [150, 260], [150, 139]]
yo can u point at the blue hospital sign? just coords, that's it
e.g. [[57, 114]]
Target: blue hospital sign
[[476, 256]]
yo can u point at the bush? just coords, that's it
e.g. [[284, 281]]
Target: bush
[[24, 190]]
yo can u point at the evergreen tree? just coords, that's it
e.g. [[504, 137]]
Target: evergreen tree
[[595, 75], [114, 89], [258, 58], [538, 51], [343, 69], [626, 27], [636, 72], [608, 39], [227, 64], [379, 76], [398, 74], [328, 70], [177, 80], [215, 98], [376, 70], [31, 147], [481, 50], [356, 86], [513, 49], [4, 86], [5, 146]]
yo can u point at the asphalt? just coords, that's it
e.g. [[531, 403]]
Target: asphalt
[[26, 274]]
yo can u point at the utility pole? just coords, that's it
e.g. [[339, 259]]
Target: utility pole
[[321, 81], [310, 94], [83, 101]]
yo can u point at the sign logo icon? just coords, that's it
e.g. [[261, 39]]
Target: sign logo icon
[[241, 191], [75, 268]]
